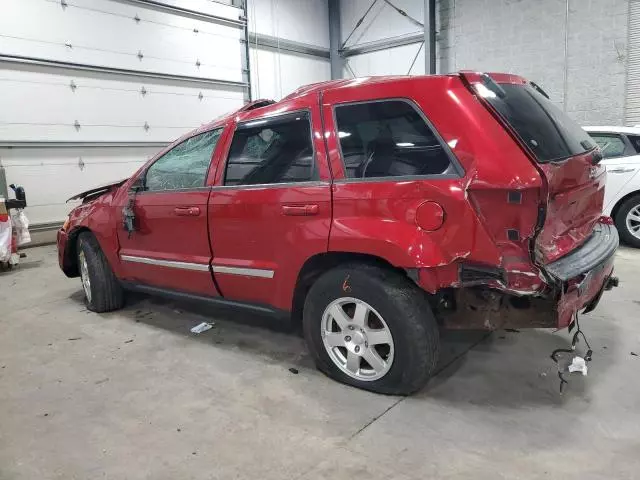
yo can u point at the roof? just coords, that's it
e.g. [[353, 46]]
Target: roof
[[614, 129], [311, 89]]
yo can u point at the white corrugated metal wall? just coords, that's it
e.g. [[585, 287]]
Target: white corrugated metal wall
[[382, 23], [577, 50], [276, 72], [90, 89], [632, 105]]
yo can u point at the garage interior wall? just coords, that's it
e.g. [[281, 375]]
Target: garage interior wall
[[93, 88], [575, 49], [275, 70]]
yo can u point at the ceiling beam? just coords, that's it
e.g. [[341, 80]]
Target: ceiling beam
[[335, 40], [260, 40], [383, 44], [430, 37]]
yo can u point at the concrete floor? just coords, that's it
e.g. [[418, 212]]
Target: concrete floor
[[132, 395]]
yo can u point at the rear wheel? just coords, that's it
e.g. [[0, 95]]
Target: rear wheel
[[102, 290], [627, 221], [371, 328]]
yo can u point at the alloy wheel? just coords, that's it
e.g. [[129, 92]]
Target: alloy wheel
[[84, 275], [633, 221], [357, 339]]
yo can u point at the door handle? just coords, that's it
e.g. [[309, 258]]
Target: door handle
[[621, 170], [187, 211], [300, 210]]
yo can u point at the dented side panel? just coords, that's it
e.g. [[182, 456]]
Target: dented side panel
[[98, 217], [379, 218], [498, 192]]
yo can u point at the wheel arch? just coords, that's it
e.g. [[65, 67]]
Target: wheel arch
[[320, 263], [616, 207], [71, 252]]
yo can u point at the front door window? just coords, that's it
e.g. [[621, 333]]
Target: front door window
[[185, 166]]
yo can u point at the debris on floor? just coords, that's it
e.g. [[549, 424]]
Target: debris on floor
[[578, 365], [74, 338], [574, 362], [203, 327], [635, 354], [294, 370], [129, 341]]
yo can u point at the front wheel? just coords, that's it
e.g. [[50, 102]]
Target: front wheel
[[102, 291], [371, 328], [627, 221]]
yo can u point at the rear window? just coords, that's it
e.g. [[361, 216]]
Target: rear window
[[546, 130]]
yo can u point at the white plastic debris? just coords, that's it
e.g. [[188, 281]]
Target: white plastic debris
[[5, 239], [578, 364], [203, 327], [21, 224]]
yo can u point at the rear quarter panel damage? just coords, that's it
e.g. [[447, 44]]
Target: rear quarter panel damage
[[379, 217]]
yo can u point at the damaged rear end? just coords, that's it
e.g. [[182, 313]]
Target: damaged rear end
[[570, 244]]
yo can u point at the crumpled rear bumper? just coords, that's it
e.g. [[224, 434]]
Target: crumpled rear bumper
[[585, 272], [601, 246]]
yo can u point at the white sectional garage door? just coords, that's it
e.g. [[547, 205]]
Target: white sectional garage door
[[89, 89]]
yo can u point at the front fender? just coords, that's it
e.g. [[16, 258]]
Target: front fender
[[97, 217]]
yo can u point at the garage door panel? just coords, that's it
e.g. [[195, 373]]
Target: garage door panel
[[104, 33], [106, 109], [51, 176]]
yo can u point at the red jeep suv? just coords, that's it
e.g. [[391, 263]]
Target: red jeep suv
[[375, 209]]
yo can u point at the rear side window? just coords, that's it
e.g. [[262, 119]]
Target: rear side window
[[611, 145], [546, 130], [388, 139], [272, 151]]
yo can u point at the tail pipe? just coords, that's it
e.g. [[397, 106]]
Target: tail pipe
[[611, 283]]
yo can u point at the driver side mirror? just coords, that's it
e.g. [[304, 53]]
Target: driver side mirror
[[138, 184]]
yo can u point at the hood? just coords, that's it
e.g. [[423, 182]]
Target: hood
[[97, 191]]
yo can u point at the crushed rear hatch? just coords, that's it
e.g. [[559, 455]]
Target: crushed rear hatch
[[564, 154]]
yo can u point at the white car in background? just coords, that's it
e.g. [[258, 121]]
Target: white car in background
[[621, 151]]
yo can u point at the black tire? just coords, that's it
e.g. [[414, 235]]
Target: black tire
[[106, 292], [404, 308], [621, 221]]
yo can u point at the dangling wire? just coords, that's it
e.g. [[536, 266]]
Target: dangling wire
[[574, 342]]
